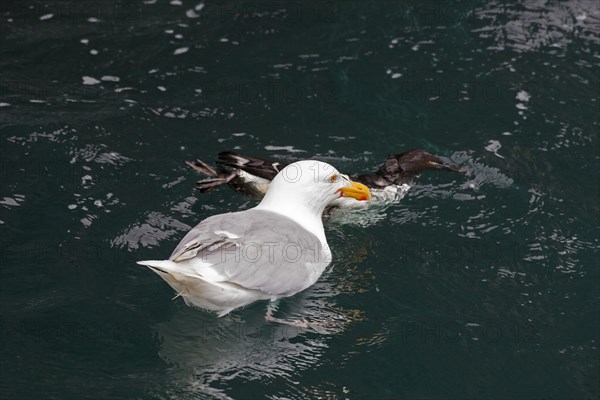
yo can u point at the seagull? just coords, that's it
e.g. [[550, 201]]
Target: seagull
[[273, 250], [252, 175]]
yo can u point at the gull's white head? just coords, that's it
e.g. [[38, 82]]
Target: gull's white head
[[307, 187]]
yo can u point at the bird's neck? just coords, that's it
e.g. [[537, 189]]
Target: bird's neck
[[302, 213]]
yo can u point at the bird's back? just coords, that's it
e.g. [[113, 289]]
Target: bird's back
[[255, 249]]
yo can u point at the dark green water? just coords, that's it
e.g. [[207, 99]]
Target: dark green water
[[476, 286]]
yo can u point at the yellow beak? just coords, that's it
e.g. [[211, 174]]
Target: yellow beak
[[357, 191]]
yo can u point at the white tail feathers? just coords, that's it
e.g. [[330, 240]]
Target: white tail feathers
[[212, 294], [167, 266], [169, 271]]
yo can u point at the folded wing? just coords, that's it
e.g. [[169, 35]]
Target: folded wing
[[281, 259]]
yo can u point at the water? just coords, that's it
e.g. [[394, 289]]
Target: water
[[475, 286]]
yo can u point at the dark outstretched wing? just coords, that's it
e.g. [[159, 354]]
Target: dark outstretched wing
[[230, 166], [261, 167]]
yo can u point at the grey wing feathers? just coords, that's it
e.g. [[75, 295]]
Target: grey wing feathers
[[255, 249], [193, 247], [206, 237]]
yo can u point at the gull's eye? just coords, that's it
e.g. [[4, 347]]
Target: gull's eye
[[332, 178]]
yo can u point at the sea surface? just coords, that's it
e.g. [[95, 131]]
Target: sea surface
[[483, 285]]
